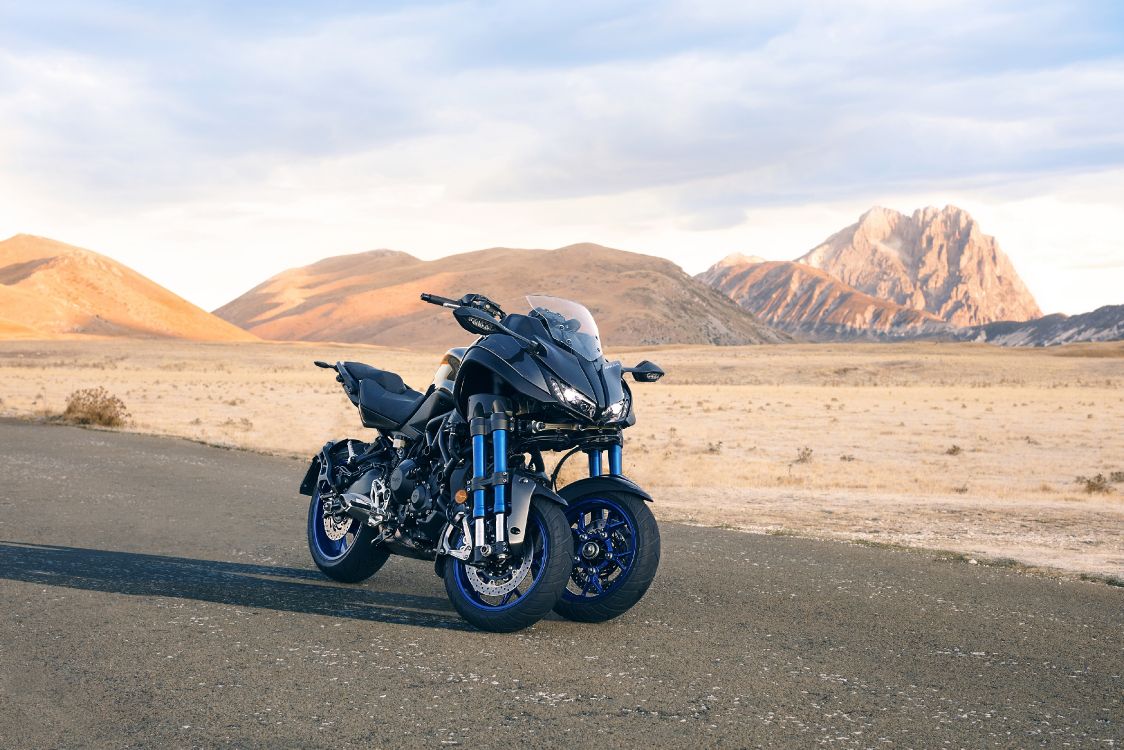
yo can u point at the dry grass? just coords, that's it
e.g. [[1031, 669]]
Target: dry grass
[[94, 406], [720, 438]]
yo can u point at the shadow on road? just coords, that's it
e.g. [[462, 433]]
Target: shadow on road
[[237, 584]]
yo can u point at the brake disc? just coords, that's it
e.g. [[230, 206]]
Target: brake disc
[[497, 585], [336, 527]]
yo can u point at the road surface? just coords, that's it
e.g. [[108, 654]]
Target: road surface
[[158, 593]]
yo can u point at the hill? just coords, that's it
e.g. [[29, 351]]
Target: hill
[[372, 298], [50, 289], [1103, 324]]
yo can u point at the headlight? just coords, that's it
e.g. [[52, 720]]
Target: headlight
[[619, 410], [572, 397]]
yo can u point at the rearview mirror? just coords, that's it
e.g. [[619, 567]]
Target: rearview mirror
[[475, 321], [645, 372]]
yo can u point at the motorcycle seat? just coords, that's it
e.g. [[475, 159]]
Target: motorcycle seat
[[385, 401]]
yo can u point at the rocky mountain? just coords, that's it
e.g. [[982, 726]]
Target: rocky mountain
[[1103, 324], [938, 261], [722, 268], [372, 297], [803, 300], [49, 289]]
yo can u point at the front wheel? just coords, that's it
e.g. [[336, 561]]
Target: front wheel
[[515, 595], [616, 553]]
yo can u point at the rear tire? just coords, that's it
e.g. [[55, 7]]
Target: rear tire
[[548, 541], [618, 524], [350, 559]]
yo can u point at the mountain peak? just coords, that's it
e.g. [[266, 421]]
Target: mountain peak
[[732, 263], [935, 260], [738, 259]]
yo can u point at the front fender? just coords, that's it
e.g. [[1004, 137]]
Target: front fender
[[605, 483], [524, 487]]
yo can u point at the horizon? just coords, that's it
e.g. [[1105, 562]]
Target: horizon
[[210, 147], [455, 253]]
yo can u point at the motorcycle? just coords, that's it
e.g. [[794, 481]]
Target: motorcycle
[[456, 474]]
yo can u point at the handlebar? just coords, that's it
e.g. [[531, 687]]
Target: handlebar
[[433, 299]]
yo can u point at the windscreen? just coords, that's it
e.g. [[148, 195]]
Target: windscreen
[[569, 323]]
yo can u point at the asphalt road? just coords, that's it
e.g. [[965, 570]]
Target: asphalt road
[[158, 593]]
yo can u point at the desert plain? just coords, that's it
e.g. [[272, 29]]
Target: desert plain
[[970, 450]]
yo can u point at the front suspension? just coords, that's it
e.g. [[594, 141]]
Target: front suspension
[[490, 420]]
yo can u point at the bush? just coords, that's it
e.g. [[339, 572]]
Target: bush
[[95, 406], [955, 450], [1098, 483], [803, 455]]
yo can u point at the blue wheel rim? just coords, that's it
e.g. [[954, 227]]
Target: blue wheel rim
[[538, 545], [329, 549], [605, 548]]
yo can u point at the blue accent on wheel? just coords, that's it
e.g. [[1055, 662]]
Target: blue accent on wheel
[[605, 547], [537, 545], [330, 549]]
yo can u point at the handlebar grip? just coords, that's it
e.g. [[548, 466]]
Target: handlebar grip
[[433, 299]]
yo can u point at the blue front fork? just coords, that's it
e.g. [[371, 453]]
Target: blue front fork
[[479, 466], [499, 459], [492, 426], [615, 460]]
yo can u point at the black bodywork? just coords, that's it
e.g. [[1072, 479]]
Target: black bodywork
[[543, 389]]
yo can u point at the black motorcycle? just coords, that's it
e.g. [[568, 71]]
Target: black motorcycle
[[457, 475]]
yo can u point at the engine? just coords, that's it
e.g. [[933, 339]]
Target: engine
[[375, 485]]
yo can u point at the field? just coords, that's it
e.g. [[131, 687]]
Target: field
[[967, 448]]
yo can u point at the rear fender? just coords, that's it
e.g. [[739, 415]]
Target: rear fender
[[308, 484], [318, 468], [605, 483]]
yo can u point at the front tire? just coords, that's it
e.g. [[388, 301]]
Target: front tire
[[616, 554], [350, 558], [533, 591]]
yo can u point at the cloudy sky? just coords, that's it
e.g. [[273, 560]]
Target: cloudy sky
[[209, 145]]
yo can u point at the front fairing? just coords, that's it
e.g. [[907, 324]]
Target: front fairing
[[528, 374]]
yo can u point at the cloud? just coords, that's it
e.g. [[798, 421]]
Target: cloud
[[228, 129]]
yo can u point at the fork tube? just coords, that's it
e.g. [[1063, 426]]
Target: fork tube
[[479, 465], [594, 462], [499, 461], [615, 456]]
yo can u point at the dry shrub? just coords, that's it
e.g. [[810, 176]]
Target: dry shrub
[[95, 406], [803, 455], [955, 450], [1098, 483]]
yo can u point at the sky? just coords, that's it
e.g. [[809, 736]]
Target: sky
[[210, 145]]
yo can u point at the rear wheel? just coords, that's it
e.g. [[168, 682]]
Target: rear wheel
[[616, 553], [341, 546], [516, 595]]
